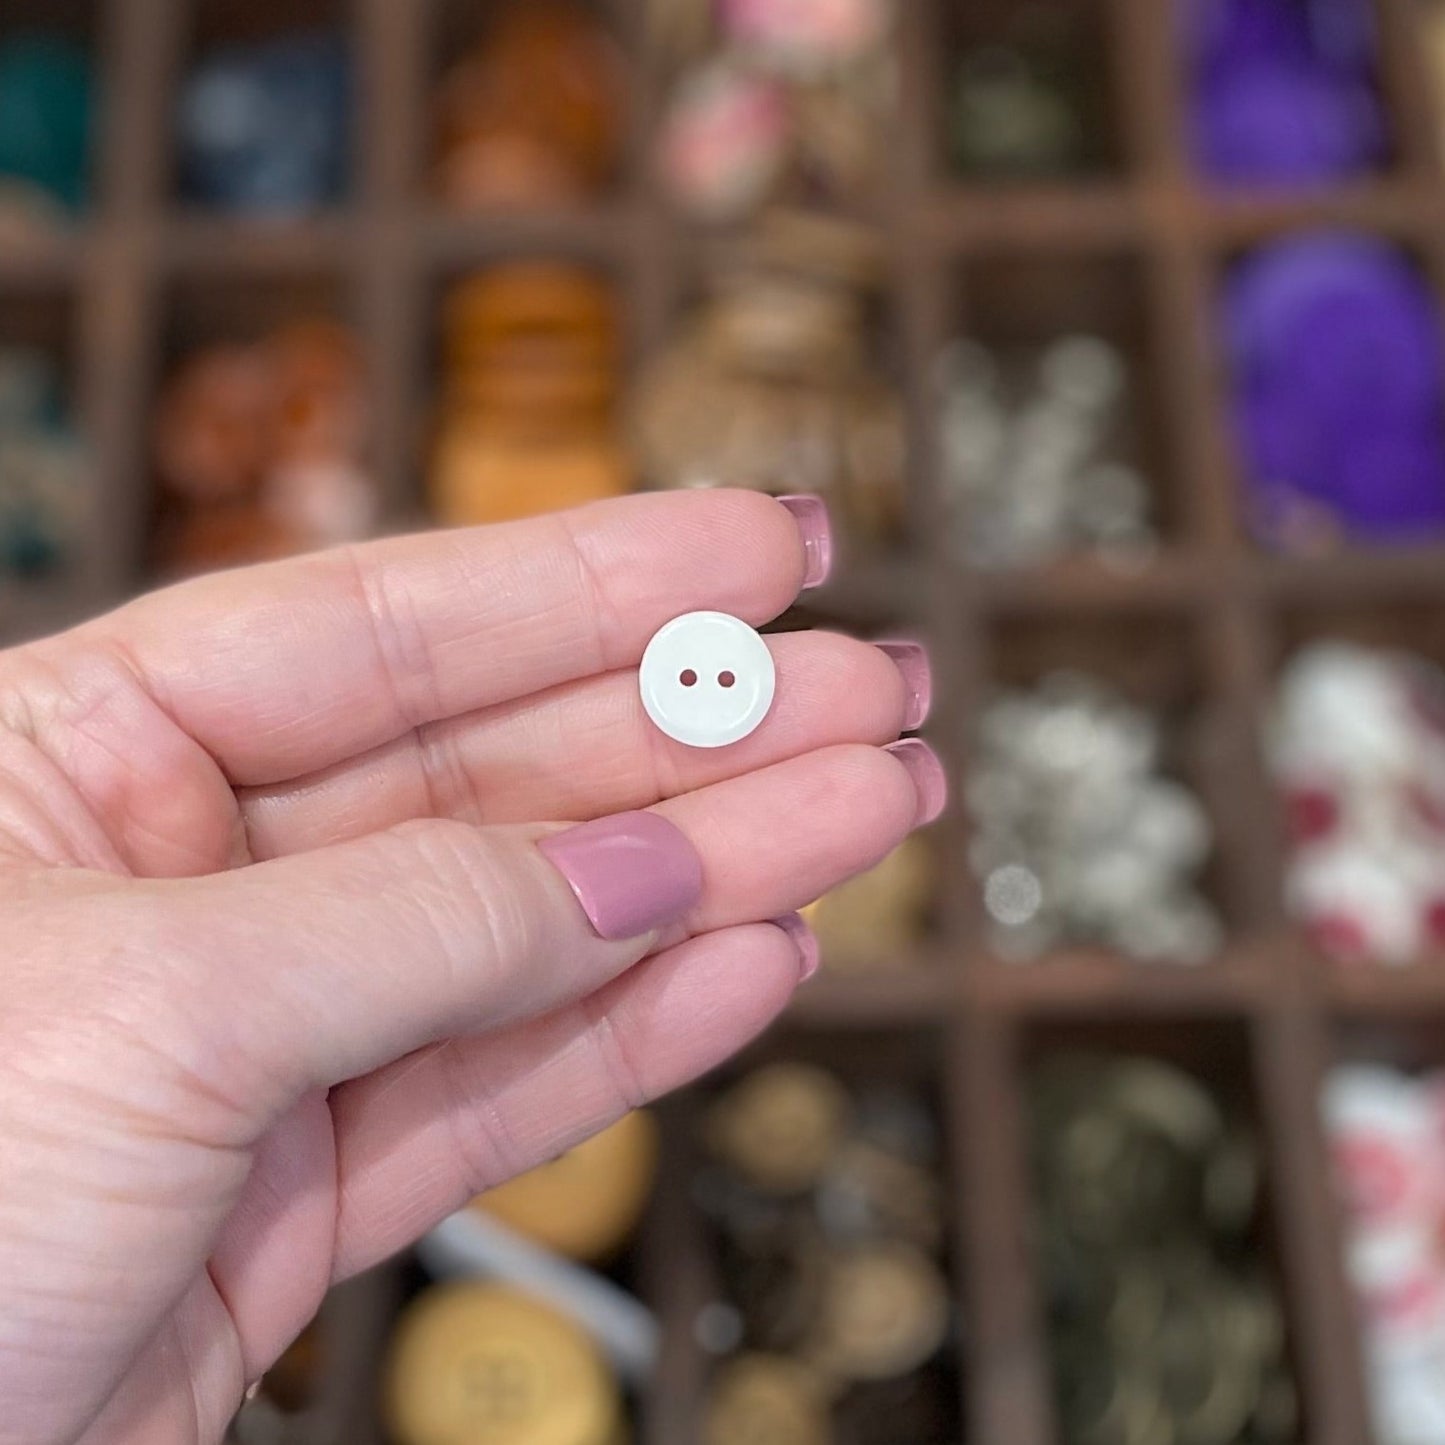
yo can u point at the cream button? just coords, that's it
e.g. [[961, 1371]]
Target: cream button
[[707, 679]]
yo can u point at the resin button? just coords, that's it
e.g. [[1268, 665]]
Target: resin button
[[707, 679]]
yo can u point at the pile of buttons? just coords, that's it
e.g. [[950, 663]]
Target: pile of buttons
[[1028, 104], [465, 1360], [263, 128], [872, 923], [770, 384], [45, 480], [776, 101], [1338, 371], [1079, 839], [1164, 1326], [829, 1213], [46, 114], [259, 448], [533, 114], [1388, 1148], [1357, 746], [475, 1361], [1035, 455], [1284, 93], [528, 420]]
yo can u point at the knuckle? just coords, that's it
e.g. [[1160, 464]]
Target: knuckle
[[443, 842], [480, 908], [447, 784], [622, 1064], [483, 1141]]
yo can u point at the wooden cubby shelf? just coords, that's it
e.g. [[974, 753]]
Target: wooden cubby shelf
[[1135, 248]]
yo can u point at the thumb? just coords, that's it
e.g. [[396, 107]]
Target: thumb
[[331, 963]]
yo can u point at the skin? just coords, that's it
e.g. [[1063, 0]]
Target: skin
[[285, 980]]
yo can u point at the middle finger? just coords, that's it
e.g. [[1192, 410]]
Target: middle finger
[[587, 749]]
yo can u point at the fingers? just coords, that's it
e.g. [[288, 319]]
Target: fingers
[[307, 662], [586, 749], [325, 965], [776, 839], [321, 967], [417, 1140]]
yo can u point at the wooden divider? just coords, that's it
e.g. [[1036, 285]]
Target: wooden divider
[[120, 283]]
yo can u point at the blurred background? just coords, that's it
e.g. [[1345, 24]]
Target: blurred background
[[1110, 328]]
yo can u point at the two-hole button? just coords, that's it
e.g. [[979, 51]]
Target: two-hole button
[[707, 679]]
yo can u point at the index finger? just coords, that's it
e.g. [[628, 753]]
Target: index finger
[[284, 669]]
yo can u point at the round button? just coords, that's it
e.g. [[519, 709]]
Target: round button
[[780, 1126], [707, 679], [766, 1400], [473, 1362], [885, 1313]]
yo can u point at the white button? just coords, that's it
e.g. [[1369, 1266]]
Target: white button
[[707, 679]]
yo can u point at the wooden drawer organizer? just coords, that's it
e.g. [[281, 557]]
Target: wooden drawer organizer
[[1136, 250]]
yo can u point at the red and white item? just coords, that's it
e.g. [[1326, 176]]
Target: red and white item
[[805, 37], [1388, 1148], [1357, 745], [726, 141]]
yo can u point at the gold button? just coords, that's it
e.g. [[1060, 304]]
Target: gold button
[[587, 1203], [885, 1313], [479, 478], [780, 1126], [532, 298], [872, 921], [479, 1364], [766, 1400]]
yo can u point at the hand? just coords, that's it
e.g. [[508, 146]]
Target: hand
[[294, 960]]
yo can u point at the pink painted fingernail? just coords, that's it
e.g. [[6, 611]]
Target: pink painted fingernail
[[811, 515], [929, 779], [632, 873], [810, 955], [911, 659]]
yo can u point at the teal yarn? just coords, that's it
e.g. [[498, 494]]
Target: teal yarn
[[46, 108]]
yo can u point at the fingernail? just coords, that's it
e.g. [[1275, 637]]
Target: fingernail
[[811, 515], [929, 779], [632, 873], [810, 955], [911, 659]]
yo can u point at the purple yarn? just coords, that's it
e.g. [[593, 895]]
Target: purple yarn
[[1343, 34], [1391, 483], [1284, 90], [1220, 33], [1335, 348], [1286, 122], [1344, 320], [1358, 360], [1282, 440], [1340, 34]]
